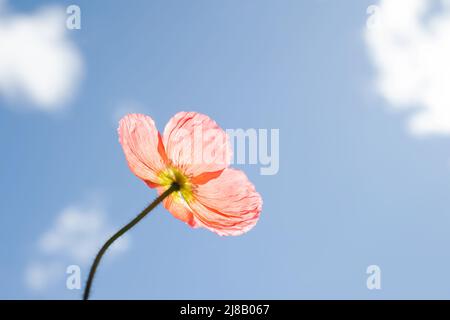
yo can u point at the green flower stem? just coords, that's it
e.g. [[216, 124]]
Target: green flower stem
[[131, 224]]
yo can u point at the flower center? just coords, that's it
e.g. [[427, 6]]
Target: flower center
[[173, 176]]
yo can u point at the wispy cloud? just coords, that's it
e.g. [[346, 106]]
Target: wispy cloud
[[74, 238], [39, 275], [124, 107], [410, 47], [39, 64]]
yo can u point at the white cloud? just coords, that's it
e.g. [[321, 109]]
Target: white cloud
[[75, 237], [410, 47], [39, 64], [78, 234]]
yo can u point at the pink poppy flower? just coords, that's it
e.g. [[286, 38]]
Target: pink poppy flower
[[194, 153]]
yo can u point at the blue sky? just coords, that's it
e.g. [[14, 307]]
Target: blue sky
[[356, 185]]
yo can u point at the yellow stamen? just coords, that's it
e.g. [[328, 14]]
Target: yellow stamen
[[170, 176]]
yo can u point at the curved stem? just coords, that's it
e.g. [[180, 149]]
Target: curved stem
[[118, 234]]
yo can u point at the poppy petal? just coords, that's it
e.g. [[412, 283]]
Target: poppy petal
[[142, 146], [196, 144], [228, 204], [178, 209]]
